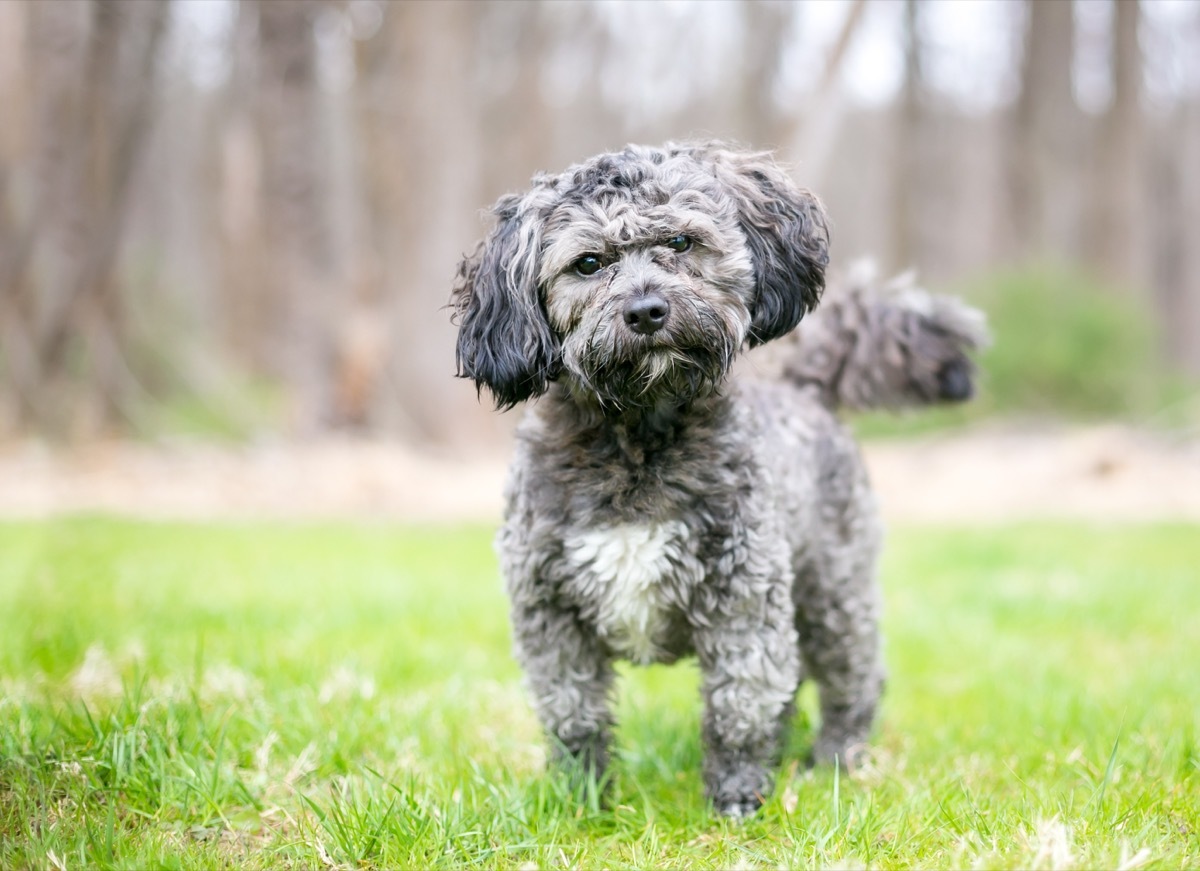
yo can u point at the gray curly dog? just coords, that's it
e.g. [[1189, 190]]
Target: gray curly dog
[[656, 506]]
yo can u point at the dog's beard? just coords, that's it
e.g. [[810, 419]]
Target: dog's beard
[[686, 360]]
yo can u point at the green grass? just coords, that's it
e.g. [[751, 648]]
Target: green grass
[[340, 696]]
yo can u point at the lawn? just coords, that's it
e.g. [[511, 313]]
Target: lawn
[[343, 696]]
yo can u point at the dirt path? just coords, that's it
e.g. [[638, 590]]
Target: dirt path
[[988, 475]]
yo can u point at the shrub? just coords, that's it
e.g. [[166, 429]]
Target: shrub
[[1067, 346]]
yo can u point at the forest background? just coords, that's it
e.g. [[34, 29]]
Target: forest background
[[234, 218]]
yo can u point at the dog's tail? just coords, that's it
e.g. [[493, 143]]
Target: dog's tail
[[885, 345]]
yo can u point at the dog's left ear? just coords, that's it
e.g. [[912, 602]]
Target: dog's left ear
[[788, 238]]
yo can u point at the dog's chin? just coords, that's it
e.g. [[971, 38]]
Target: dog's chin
[[654, 376]]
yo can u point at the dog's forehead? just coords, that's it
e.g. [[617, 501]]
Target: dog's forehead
[[632, 196], [638, 175]]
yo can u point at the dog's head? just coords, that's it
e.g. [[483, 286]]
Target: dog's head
[[638, 276]]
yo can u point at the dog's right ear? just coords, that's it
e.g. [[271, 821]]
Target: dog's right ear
[[787, 234], [504, 339]]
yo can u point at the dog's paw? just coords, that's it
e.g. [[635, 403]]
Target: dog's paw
[[736, 783], [738, 807]]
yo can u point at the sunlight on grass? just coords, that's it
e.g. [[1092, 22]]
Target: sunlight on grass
[[341, 696]]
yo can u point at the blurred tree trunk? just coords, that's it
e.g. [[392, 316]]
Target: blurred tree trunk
[[364, 331], [813, 130], [757, 114], [120, 98], [517, 120], [421, 149], [380, 266], [17, 354], [1045, 136], [603, 126], [751, 107], [907, 172], [1175, 192], [1188, 147], [1116, 214], [298, 286], [47, 237], [95, 67], [1168, 229], [243, 306]]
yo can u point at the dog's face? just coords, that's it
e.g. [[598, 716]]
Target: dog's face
[[636, 277]]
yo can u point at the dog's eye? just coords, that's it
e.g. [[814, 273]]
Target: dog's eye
[[588, 264], [679, 243]]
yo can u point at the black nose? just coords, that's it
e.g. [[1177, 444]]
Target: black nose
[[954, 381], [647, 314]]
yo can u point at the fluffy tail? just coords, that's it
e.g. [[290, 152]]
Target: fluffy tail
[[885, 345]]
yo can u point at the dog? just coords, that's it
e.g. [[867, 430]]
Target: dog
[[658, 507]]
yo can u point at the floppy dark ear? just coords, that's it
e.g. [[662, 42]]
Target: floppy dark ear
[[788, 237], [504, 340]]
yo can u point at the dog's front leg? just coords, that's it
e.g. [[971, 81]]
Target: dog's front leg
[[751, 665], [569, 676]]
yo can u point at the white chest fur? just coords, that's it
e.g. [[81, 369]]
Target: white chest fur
[[623, 567]]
